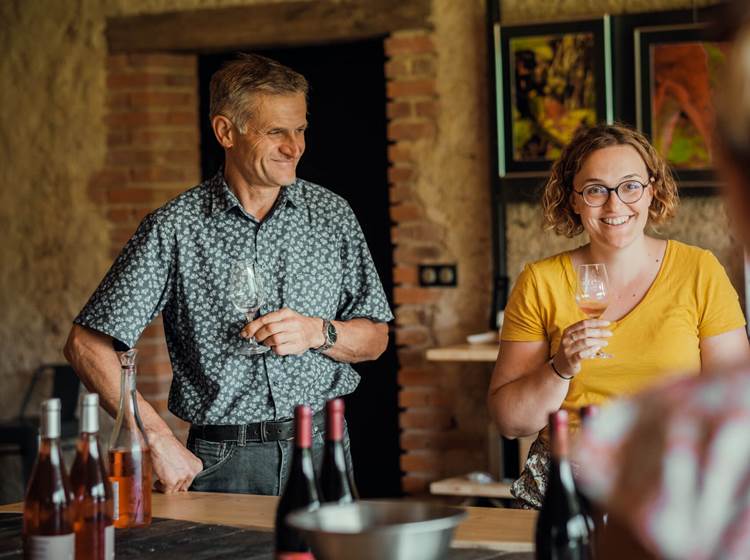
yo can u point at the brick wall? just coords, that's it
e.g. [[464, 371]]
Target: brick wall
[[426, 418], [152, 155]]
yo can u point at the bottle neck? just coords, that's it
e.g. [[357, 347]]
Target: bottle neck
[[127, 415], [303, 431], [561, 472], [128, 402], [560, 440], [128, 378], [89, 419], [90, 441], [334, 426], [50, 425]]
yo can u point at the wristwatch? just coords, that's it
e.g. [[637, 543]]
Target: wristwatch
[[330, 334]]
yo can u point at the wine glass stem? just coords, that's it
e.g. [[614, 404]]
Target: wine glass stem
[[249, 317]]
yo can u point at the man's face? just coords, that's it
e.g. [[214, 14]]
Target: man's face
[[267, 154]]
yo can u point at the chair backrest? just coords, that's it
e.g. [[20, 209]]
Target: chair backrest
[[65, 386]]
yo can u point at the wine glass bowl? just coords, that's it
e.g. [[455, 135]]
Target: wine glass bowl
[[246, 294], [593, 293]]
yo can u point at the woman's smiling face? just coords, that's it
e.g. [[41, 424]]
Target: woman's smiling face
[[614, 225]]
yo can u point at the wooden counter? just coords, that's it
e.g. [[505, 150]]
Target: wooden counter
[[493, 528]]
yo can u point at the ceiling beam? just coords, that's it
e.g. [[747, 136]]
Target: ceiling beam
[[265, 25]]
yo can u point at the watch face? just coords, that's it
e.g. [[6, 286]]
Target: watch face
[[332, 334]]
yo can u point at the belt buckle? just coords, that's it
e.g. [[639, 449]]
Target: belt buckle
[[263, 432]]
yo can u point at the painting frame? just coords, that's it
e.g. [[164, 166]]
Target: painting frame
[[509, 96], [646, 38]]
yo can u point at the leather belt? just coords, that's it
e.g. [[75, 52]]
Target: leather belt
[[271, 430]]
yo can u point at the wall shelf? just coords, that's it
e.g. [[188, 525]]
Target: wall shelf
[[464, 353], [462, 486]]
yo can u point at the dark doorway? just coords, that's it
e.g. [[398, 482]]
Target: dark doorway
[[347, 153]]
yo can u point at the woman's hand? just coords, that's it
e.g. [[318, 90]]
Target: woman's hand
[[580, 341]]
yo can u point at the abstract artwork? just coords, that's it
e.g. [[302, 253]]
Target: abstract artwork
[[684, 75], [554, 81], [677, 73], [553, 92]]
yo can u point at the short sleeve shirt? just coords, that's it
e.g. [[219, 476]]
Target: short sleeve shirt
[[691, 298], [313, 258]]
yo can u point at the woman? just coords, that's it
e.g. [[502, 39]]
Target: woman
[[671, 306], [672, 465]]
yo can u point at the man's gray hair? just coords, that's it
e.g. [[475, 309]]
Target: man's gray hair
[[232, 87]]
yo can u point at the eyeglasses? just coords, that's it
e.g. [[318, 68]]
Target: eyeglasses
[[629, 192]]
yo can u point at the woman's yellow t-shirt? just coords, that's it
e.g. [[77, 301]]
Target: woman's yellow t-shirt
[[690, 299]]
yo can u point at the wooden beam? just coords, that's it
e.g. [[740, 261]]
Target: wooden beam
[[265, 25]]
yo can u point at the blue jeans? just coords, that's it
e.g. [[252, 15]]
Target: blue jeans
[[253, 468]]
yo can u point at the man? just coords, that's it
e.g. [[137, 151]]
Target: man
[[324, 305]]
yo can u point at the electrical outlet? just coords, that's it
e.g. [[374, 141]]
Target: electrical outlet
[[438, 275]]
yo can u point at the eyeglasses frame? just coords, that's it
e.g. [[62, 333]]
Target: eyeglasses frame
[[610, 190]]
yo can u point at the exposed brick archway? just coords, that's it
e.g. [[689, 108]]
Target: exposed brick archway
[[153, 154]]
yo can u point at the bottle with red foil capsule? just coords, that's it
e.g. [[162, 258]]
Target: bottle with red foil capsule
[[301, 491], [92, 491], [562, 532], [335, 482], [129, 455], [48, 509], [595, 517]]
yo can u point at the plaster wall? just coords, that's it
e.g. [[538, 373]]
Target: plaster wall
[[52, 138]]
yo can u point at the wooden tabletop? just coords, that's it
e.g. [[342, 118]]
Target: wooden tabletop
[[494, 528], [464, 353]]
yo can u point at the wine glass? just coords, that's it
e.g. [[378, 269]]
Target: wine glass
[[592, 293], [246, 294]]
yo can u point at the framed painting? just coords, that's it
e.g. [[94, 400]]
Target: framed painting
[[551, 79], [676, 72]]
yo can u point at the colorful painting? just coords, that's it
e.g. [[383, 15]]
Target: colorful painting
[[553, 92], [683, 75], [552, 78]]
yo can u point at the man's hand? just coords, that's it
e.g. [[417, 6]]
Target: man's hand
[[286, 331], [175, 467]]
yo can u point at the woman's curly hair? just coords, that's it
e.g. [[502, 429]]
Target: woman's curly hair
[[556, 199]]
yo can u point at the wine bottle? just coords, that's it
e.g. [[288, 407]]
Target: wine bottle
[[92, 490], [335, 483], [561, 529], [48, 505], [595, 517], [129, 455], [301, 491]]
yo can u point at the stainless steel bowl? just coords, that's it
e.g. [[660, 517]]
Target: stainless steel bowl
[[378, 530]]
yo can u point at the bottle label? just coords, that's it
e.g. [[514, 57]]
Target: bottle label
[[55, 547], [294, 556], [115, 499], [109, 543]]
